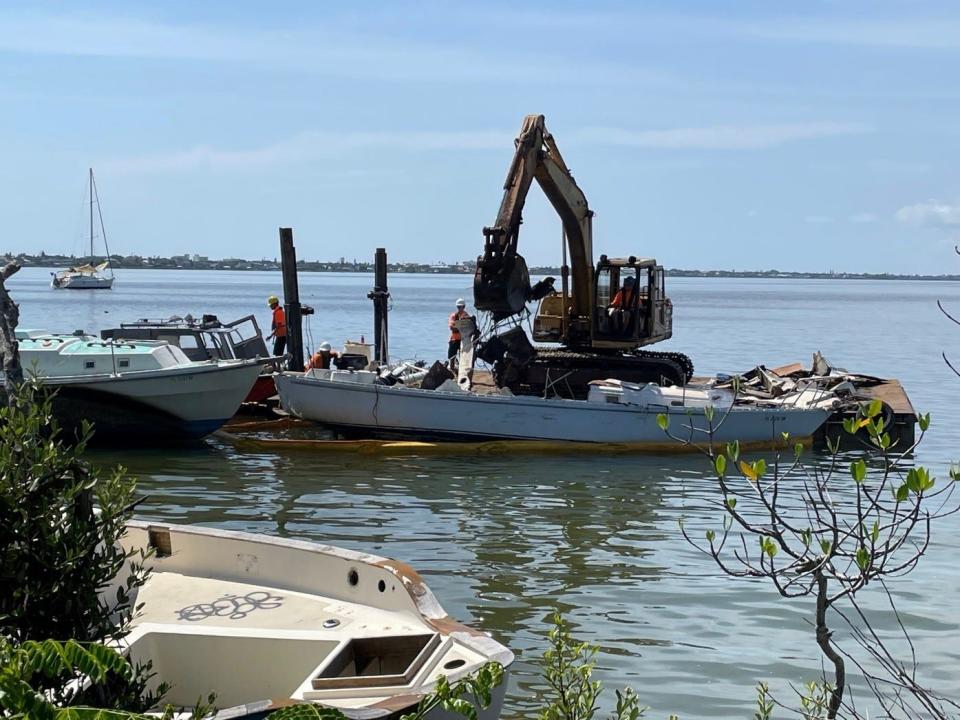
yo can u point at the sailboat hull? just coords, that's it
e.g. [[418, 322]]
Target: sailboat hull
[[82, 282]]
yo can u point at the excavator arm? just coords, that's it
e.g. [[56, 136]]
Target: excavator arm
[[502, 282]]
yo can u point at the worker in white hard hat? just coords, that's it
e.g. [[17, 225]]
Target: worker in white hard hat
[[322, 357], [453, 348], [278, 326]]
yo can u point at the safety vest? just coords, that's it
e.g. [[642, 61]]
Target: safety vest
[[321, 360], [454, 330], [623, 298], [279, 326]]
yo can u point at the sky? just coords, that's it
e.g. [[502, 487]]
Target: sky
[[808, 136]]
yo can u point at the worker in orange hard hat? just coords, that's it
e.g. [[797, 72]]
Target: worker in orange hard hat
[[322, 357], [278, 326]]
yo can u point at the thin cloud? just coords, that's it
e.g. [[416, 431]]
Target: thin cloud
[[818, 219], [930, 34], [305, 147], [863, 218], [310, 146], [932, 213], [328, 49], [721, 137]]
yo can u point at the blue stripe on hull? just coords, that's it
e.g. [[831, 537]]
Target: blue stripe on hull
[[201, 428]]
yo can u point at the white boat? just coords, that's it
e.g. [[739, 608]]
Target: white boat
[[135, 392], [266, 622], [358, 404], [89, 276]]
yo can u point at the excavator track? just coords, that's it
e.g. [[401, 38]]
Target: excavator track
[[569, 372]]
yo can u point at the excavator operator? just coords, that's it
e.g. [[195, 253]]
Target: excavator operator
[[621, 308]]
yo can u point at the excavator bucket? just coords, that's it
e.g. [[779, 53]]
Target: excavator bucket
[[501, 284]]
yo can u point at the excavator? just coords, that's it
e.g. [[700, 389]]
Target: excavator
[[601, 316]]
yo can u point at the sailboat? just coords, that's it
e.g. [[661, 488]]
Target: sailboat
[[88, 276]]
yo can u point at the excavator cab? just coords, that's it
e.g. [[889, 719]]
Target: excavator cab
[[630, 306], [630, 309]]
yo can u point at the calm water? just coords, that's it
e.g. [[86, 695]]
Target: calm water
[[503, 541]]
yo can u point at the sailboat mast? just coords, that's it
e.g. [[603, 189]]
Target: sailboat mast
[[91, 214]]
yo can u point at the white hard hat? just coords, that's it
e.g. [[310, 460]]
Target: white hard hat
[[325, 347], [461, 302]]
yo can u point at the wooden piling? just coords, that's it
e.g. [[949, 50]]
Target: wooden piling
[[380, 296], [291, 299]]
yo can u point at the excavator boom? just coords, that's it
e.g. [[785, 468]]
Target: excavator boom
[[502, 283]]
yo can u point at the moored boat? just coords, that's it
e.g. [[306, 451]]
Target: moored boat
[[91, 275], [266, 622], [209, 339], [135, 392], [358, 404]]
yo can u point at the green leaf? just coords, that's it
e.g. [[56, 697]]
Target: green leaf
[[798, 450], [733, 450], [461, 707], [924, 422], [875, 533], [863, 558], [902, 493], [850, 426], [663, 421], [858, 470], [833, 445], [708, 413], [874, 408], [770, 547], [711, 535], [720, 464], [913, 481], [731, 502], [825, 547], [760, 466]]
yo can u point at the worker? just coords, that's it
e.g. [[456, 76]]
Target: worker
[[453, 348], [278, 326], [322, 357], [623, 300], [621, 306]]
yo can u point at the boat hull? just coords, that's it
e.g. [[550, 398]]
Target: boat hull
[[381, 411], [82, 282], [156, 407], [295, 612]]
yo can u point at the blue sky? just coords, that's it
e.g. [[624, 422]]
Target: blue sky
[[753, 135]]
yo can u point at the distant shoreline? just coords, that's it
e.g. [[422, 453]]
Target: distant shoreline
[[136, 262]]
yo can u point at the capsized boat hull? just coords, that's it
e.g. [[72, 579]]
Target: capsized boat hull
[[396, 411], [266, 622], [155, 407]]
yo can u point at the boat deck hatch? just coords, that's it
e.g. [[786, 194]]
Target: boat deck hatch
[[377, 661]]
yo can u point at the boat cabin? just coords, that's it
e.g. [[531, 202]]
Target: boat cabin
[[48, 355], [208, 339]]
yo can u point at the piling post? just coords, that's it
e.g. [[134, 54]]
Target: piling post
[[380, 296], [291, 299]]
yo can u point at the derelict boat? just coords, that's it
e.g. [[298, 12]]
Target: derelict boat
[[135, 393], [267, 622], [359, 404]]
